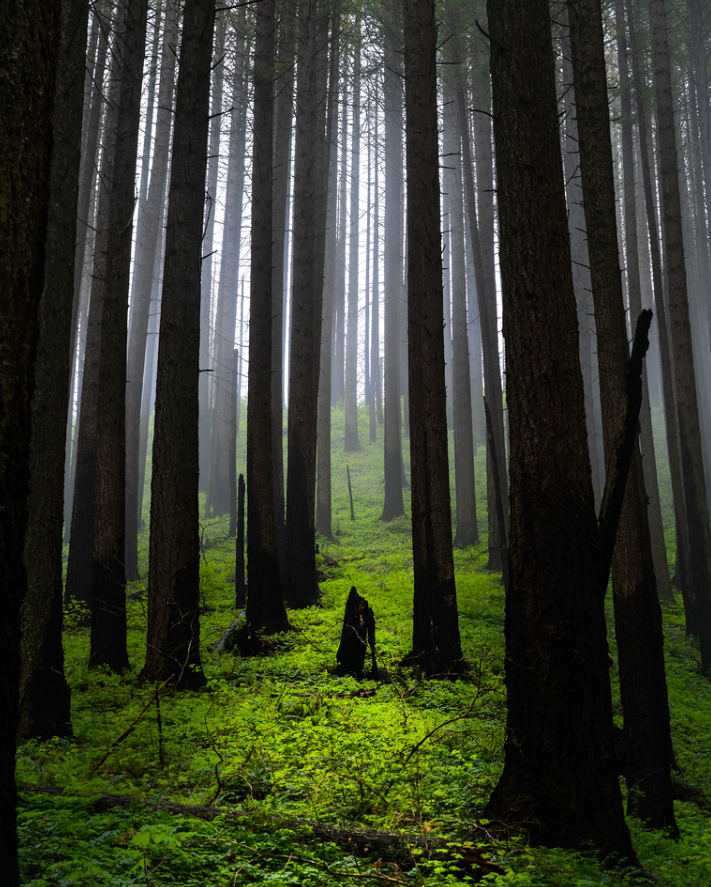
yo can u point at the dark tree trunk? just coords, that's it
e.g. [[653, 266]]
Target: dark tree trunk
[[435, 630], [323, 480], [672, 433], [173, 643], [226, 306], [338, 379], [357, 636], [207, 386], [44, 692], [697, 515], [309, 231], [29, 41], [485, 290], [265, 602], [375, 372], [467, 532], [147, 248], [283, 116], [393, 505], [638, 620], [79, 565], [559, 779], [351, 442], [108, 589], [232, 532], [240, 587]]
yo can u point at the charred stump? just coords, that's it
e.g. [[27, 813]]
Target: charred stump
[[357, 635]]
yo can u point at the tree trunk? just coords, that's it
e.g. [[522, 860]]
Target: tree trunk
[[323, 480], [351, 442], [147, 248], [435, 630], [283, 116], [226, 303], [173, 643], [638, 619], [681, 347], [309, 231], [79, 564], [265, 603], [108, 589], [44, 692], [393, 505], [467, 532], [29, 42], [559, 773]]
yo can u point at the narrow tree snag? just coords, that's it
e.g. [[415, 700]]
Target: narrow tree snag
[[357, 636], [625, 440], [350, 491], [240, 588]]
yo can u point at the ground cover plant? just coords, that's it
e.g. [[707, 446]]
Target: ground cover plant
[[277, 743]]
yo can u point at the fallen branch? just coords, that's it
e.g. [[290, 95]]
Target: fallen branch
[[395, 846]]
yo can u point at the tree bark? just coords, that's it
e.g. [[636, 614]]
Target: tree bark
[[681, 346], [29, 43], [309, 231], [638, 619], [435, 630], [559, 779], [44, 692], [173, 643], [147, 248], [265, 603], [108, 588], [393, 505]]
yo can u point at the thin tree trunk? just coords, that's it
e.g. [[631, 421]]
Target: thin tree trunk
[[173, 642], [147, 248], [44, 692], [351, 442], [393, 505], [309, 231], [435, 629], [682, 354]]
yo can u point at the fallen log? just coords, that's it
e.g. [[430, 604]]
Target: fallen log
[[386, 846]]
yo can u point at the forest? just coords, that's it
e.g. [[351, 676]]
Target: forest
[[355, 442]]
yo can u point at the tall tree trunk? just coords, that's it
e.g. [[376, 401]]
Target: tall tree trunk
[[467, 532], [393, 505], [559, 772], [323, 480], [309, 230], [682, 354], [638, 620], [283, 116], [265, 603], [435, 630], [375, 371], [108, 588], [207, 386], [338, 379], [485, 290], [44, 692], [79, 564], [226, 302], [351, 442], [147, 248], [173, 643], [649, 464], [29, 42], [672, 431]]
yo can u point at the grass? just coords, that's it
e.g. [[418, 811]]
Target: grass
[[278, 737]]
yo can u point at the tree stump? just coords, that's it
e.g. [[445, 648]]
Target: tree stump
[[357, 634]]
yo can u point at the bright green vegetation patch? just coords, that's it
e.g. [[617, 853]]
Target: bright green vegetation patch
[[277, 737]]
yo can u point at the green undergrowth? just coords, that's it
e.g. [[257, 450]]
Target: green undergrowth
[[276, 738]]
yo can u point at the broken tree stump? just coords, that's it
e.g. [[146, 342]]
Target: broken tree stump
[[357, 635]]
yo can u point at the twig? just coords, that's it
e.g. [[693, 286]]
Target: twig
[[131, 726]]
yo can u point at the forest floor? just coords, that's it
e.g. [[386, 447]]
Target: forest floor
[[276, 741]]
